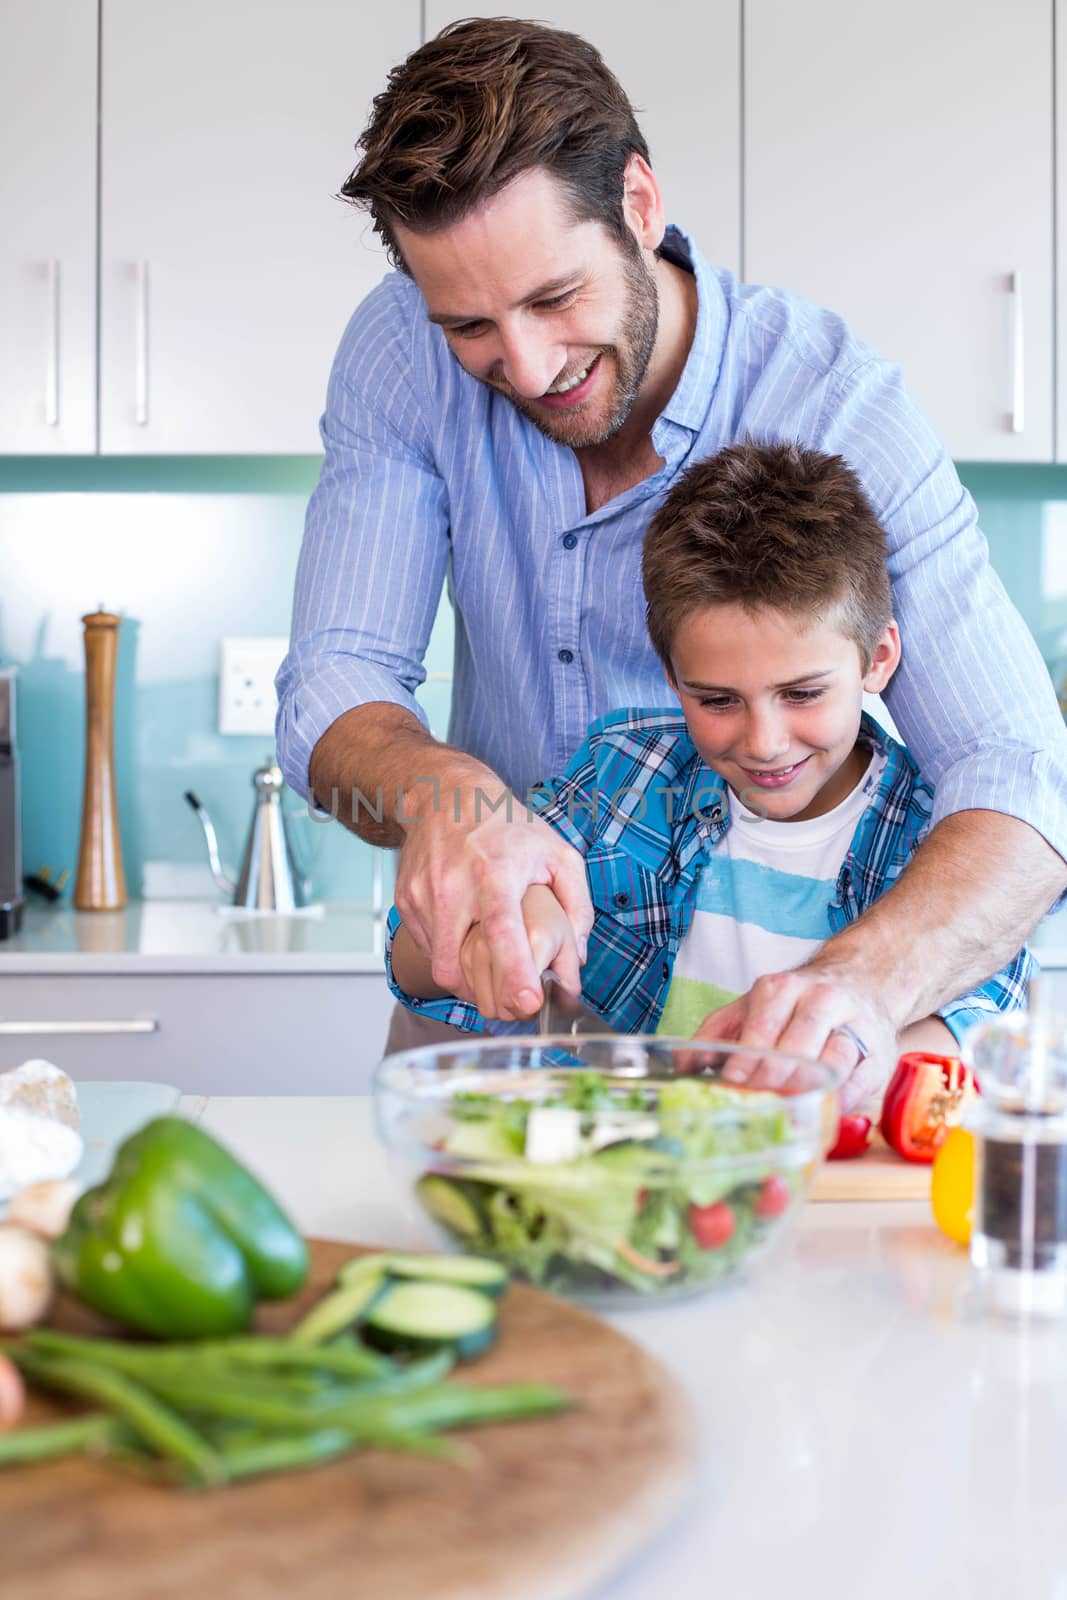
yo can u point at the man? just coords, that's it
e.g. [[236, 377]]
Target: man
[[512, 406]]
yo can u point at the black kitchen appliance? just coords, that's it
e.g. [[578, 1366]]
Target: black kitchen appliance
[[11, 901]]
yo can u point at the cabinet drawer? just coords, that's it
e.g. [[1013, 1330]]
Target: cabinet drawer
[[279, 1034]]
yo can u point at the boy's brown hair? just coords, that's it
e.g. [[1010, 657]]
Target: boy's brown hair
[[768, 525], [484, 101]]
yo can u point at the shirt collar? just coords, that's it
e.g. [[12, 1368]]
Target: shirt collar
[[688, 405]]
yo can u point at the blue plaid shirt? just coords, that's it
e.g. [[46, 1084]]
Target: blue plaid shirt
[[647, 815]]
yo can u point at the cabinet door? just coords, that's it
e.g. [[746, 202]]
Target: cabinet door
[[48, 227], [307, 1033], [898, 168], [682, 72], [228, 267], [1061, 231]]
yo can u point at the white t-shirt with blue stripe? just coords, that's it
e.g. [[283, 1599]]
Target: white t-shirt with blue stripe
[[761, 903]]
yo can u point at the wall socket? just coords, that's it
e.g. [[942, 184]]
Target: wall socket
[[247, 667]]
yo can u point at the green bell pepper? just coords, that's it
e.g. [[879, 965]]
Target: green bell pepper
[[180, 1241]]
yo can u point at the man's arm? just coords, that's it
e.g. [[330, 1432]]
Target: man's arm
[[961, 909], [469, 849], [376, 542], [349, 730], [975, 706]]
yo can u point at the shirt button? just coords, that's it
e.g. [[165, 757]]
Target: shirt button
[[666, 971], [566, 656], [621, 900], [569, 541]]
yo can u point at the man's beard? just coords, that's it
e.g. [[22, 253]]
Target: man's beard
[[640, 317]]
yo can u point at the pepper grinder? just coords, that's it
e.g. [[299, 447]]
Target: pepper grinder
[[1019, 1238], [100, 884]]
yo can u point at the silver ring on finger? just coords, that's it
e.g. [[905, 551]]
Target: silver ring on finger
[[850, 1033]]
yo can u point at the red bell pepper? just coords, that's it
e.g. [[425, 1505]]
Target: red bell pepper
[[925, 1097], [853, 1137]]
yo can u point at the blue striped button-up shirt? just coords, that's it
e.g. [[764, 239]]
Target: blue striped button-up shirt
[[428, 473], [647, 814]]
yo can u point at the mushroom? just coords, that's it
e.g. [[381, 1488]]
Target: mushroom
[[44, 1207], [26, 1280]]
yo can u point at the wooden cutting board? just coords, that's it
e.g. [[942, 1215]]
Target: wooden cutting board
[[541, 1510], [878, 1174]]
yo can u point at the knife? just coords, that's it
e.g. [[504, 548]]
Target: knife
[[564, 1012]]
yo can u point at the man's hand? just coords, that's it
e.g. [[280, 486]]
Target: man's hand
[[552, 944], [797, 1013], [453, 875]]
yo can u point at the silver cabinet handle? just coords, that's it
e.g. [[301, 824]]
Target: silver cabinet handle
[[51, 370], [140, 402], [1017, 386], [132, 1025]]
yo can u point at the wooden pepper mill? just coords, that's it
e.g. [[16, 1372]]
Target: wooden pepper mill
[[101, 883]]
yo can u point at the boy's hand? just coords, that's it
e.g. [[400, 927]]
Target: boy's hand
[[800, 1013], [552, 942]]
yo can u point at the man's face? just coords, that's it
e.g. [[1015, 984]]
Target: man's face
[[551, 313], [773, 701]]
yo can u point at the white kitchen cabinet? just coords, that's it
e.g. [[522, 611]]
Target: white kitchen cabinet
[[1061, 230], [898, 168], [48, 227], [681, 67], [253, 1033], [228, 268]]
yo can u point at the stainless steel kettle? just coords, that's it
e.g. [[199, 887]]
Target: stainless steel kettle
[[270, 879]]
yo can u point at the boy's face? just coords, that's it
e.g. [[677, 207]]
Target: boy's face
[[772, 702]]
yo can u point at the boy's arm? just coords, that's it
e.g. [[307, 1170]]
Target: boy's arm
[[551, 941], [424, 995], [412, 969], [930, 1034]]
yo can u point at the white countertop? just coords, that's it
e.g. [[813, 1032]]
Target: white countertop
[[204, 936], [861, 1436], [188, 936]]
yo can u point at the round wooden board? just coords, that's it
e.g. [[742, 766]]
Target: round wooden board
[[541, 1510]]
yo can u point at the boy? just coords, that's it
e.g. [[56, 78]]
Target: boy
[[728, 838]]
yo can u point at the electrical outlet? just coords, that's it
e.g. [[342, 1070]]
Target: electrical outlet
[[247, 702]]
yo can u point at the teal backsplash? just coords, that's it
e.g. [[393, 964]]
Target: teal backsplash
[[191, 550]]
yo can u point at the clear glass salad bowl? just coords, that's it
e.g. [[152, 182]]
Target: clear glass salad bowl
[[616, 1170]]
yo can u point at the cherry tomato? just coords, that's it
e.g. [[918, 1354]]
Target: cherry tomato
[[773, 1198], [853, 1137], [952, 1185], [712, 1226]]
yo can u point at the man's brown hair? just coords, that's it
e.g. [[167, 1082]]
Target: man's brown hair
[[484, 101], [768, 525]]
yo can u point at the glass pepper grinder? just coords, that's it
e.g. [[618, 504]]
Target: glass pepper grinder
[[1019, 1237]]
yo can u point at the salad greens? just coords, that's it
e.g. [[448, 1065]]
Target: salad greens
[[599, 1185]]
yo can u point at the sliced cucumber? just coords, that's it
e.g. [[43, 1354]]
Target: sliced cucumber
[[452, 1203], [474, 1272], [340, 1309], [427, 1316]]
